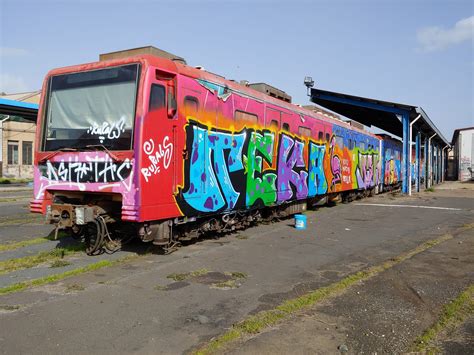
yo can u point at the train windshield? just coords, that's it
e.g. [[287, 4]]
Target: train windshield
[[92, 109]]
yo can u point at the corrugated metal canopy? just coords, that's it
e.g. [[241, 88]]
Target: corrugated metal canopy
[[26, 110], [378, 113]]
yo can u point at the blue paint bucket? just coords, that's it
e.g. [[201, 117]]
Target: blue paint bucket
[[300, 221]]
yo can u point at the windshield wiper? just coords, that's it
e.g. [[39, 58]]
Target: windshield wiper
[[57, 151], [104, 148]]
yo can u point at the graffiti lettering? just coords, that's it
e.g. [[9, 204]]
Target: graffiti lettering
[[162, 154], [108, 130], [286, 173], [226, 170], [94, 170], [260, 187]]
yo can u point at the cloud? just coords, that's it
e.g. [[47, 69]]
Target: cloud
[[436, 38], [12, 52], [12, 84]]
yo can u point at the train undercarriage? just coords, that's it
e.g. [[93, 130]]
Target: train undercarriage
[[96, 219]]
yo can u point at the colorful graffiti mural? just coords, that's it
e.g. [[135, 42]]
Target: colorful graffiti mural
[[261, 167]]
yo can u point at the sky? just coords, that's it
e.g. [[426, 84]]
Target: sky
[[418, 52]]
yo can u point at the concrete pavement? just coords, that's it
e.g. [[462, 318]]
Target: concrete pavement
[[172, 304]]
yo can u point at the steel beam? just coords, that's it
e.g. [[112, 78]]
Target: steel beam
[[426, 162], [418, 157], [406, 152]]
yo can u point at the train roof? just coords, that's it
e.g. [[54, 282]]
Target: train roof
[[199, 73]]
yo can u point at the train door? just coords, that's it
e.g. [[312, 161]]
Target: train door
[[157, 158]]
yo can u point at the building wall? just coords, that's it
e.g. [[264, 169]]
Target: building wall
[[18, 132], [465, 154]]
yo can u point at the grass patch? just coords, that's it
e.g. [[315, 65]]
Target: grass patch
[[242, 237], [8, 307], [262, 320], [25, 243], [237, 274], [160, 288], [187, 275], [20, 286], [430, 189], [7, 181], [453, 313], [28, 262], [226, 285], [74, 288], [59, 263], [21, 220]]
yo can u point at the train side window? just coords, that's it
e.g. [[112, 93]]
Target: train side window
[[328, 137], [157, 97], [320, 136], [245, 116], [362, 145], [191, 106], [304, 131], [340, 141], [350, 143], [274, 124], [286, 127]]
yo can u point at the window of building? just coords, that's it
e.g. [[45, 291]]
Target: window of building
[[191, 106], [27, 153], [304, 131], [245, 116], [12, 152], [157, 97]]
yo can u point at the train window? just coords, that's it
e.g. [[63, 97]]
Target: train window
[[157, 97], [304, 131], [274, 124], [245, 116], [362, 145], [286, 127], [327, 137], [340, 141], [320, 136], [191, 106], [350, 143]]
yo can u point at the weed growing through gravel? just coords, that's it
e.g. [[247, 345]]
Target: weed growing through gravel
[[59, 263], [187, 275], [53, 278], [453, 313], [74, 288], [27, 262], [25, 243]]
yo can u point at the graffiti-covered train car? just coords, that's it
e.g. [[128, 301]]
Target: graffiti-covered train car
[[151, 147], [391, 156]]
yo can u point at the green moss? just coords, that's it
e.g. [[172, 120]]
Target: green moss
[[27, 262], [237, 274], [20, 286], [59, 263], [453, 313], [187, 275], [74, 288]]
